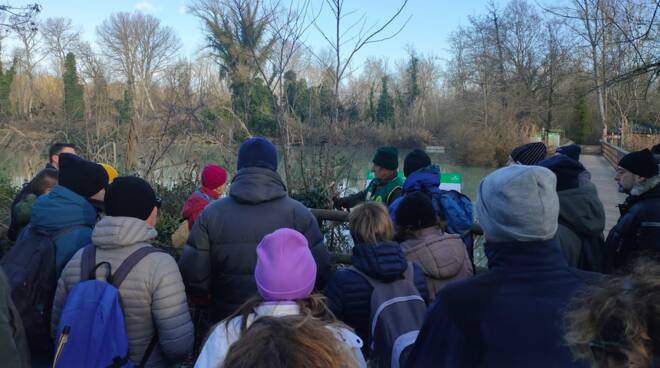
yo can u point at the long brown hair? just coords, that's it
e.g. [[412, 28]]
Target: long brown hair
[[621, 309], [313, 306], [291, 341]]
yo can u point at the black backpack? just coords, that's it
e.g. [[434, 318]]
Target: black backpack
[[30, 269]]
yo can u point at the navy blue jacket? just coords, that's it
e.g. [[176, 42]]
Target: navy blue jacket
[[637, 232], [349, 294], [426, 179], [510, 316]]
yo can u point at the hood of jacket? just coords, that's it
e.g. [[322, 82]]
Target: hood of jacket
[[525, 256], [582, 209], [424, 179], [62, 208], [117, 232], [649, 187], [254, 185], [384, 261], [435, 250]]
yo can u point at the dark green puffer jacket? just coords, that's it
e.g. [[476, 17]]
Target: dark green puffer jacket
[[581, 225]]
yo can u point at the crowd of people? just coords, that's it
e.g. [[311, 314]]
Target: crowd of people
[[83, 286]]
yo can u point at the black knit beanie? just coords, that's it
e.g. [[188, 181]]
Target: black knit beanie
[[387, 158], [572, 150], [414, 161], [82, 177], [640, 163], [130, 196], [416, 211], [529, 154]]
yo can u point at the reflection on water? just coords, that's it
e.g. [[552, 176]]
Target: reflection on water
[[21, 166]]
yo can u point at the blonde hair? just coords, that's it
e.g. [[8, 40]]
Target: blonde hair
[[623, 309], [370, 223], [291, 341]]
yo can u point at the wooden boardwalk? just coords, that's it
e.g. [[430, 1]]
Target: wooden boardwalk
[[602, 175]]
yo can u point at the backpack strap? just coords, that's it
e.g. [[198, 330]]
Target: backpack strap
[[125, 267], [87, 262], [61, 232], [150, 349], [203, 195]]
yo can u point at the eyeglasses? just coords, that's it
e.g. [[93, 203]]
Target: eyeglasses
[[605, 352]]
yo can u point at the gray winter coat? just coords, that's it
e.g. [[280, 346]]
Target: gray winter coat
[[581, 225], [220, 255], [152, 295]]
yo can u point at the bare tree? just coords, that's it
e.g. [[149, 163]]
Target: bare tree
[[18, 17], [30, 54], [60, 38], [345, 46], [139, 47]]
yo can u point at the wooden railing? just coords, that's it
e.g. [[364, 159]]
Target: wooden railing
[[345, 258], [612, 153]]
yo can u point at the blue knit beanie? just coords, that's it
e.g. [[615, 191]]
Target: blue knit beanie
[[257, 152]]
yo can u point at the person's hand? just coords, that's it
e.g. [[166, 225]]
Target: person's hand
[[338, 203]]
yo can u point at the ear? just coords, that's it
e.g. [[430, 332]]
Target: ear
[[151, 220]]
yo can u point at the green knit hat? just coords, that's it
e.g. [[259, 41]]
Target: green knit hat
[[387, 158]]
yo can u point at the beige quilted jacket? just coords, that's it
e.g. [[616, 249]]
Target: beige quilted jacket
[[443, 257], [152, 295]]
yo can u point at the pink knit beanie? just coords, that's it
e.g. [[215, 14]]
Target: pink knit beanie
[[285, 268]]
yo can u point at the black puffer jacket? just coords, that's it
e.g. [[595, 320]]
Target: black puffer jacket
[[220, 255], [349, 294], [638, 230]]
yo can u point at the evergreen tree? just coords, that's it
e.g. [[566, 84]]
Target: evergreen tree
[[6, 79], [582, 117], [385, 109], [74, 100], [371, 105], [124, 108]]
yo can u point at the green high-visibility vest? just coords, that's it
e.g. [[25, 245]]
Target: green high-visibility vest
[[381, 192]]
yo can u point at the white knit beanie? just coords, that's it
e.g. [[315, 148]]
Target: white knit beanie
[[518, 203]]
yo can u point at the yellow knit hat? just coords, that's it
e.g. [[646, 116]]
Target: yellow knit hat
[[112, 173]]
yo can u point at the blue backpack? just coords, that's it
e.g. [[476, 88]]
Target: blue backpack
[[456, 209], [91, 331]]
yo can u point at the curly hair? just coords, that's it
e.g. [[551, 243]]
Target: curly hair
[[292, 341], [621, 309]]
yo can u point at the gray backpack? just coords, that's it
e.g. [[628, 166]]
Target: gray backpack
[[397, 314]]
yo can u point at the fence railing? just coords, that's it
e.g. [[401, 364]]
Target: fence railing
[[322, 215], [612, 153]]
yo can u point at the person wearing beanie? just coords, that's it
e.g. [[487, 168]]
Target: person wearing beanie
[[422, 176], [285, 275], [656, 153], [219, 257], [376, 255], [487, 319], [152, 294], [384, 188], [27, 188], [581, 215], [111, 171], [67, 209], [528, 154], [443, 257], [214, 179], [572, 150], [637, 232]]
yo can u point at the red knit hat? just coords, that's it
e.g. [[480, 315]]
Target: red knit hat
[[213, 176]]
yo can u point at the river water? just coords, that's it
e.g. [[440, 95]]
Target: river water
[[354, 164]]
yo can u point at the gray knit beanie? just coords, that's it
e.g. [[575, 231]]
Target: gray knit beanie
[[518, 203]]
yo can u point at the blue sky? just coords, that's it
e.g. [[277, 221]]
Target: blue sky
[[430, 25]]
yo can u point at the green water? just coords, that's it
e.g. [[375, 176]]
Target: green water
[[353, 163]]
